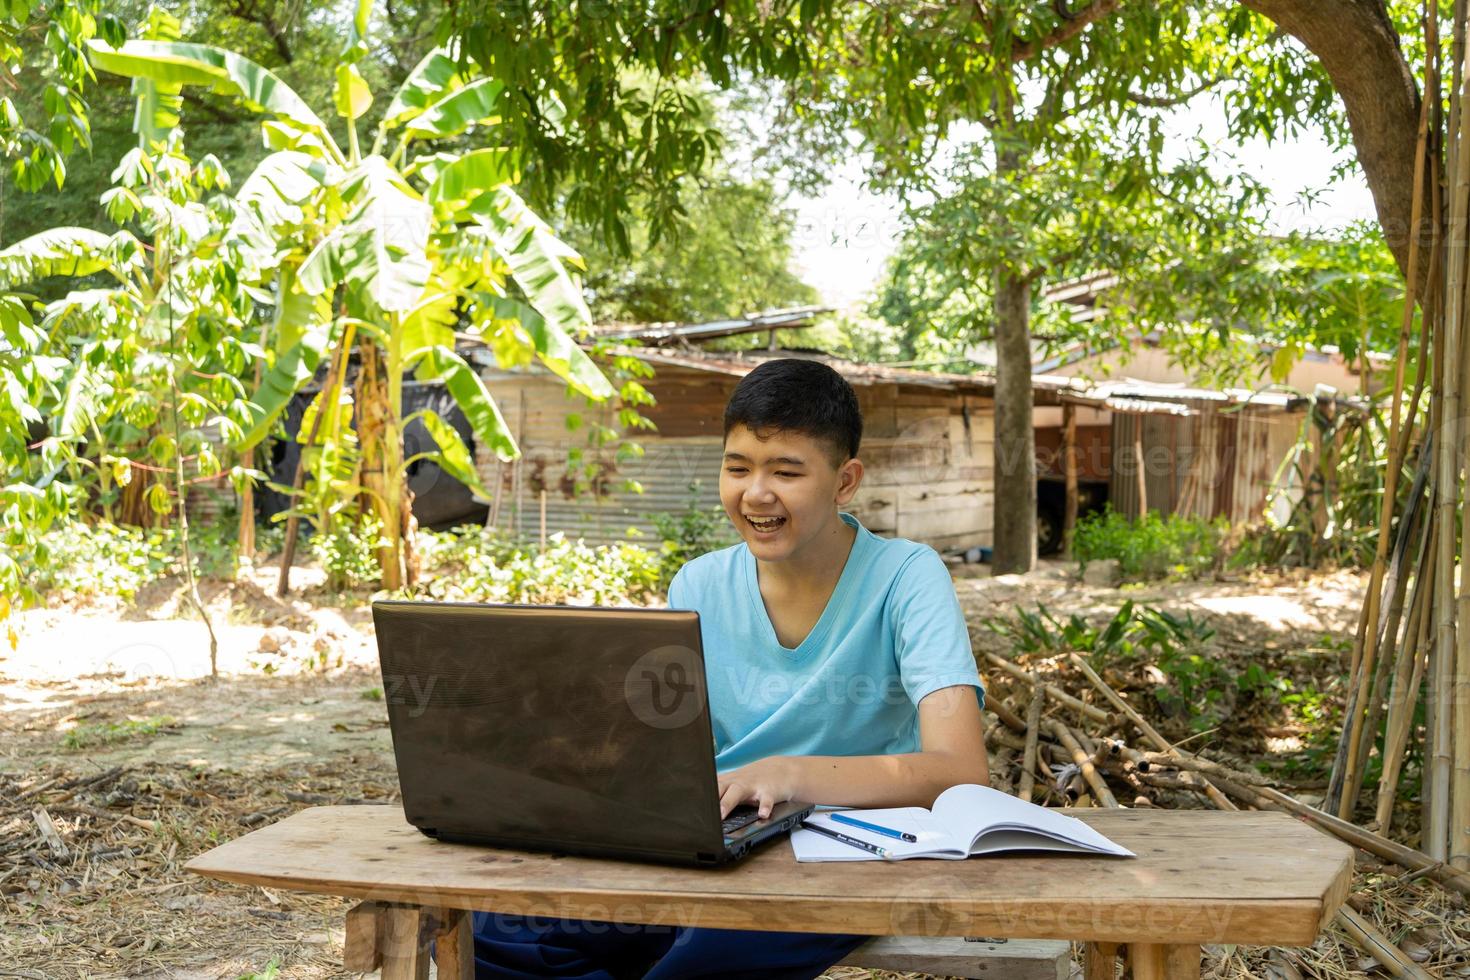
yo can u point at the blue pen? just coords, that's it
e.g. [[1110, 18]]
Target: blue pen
[[886, 832]]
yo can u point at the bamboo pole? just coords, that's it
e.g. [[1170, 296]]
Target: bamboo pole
[[1006, 714], [1404, 693], [1439, 767], [1377, 945], [1448, 802], [1385, 640], [1083, 762], [1033, 732], [1138, 462], [1055, 693], [336, 376], [1159, 742], [1347, 777]]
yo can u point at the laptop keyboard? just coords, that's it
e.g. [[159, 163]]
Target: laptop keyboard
[[741, 816]]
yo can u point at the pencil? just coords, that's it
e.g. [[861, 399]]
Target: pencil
[[882, 852]]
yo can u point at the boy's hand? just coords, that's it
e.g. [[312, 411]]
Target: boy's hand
[[763, 784]]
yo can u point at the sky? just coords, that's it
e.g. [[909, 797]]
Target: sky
[[845, 234]]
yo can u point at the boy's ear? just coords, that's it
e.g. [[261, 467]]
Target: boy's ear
[[849, 478]]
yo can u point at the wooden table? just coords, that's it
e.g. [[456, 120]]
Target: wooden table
[[1260, 878]]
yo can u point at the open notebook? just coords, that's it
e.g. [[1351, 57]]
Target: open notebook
[[965, 820]]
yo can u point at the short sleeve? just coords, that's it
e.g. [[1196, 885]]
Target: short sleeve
[[931, 640]]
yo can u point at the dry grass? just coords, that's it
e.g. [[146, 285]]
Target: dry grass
[[116, 902]]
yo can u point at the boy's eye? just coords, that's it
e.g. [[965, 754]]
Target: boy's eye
[[786, 473], [736, 470]]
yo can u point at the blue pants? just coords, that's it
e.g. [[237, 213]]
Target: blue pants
[[514, 947]]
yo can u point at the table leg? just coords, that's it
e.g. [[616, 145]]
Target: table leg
[[403, 943], [360, 948], [1164, 961], [454, 944], [1101, 961]]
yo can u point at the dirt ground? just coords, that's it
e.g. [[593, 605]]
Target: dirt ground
[[108, 719]]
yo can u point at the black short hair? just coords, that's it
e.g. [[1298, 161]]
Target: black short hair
[[793, 394]]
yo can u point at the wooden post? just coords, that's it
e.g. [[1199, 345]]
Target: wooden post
[[543, 518], [1101, 961], [1157, 961], [360, 947], [1138, 462], [401, 942], [494, 518], [1069, 465], [454, 944]]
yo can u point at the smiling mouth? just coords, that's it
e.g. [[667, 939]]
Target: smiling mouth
[[766, 525]]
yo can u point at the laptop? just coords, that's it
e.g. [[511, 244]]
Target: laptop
[[569, 729]]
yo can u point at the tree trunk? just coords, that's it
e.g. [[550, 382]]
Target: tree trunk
[[382, 460], [1015, 438], [1069, 470]]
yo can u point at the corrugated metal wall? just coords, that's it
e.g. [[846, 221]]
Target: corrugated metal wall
[[1209, 464], [1167, 448]]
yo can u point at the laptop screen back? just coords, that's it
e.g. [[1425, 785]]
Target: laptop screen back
[[543, 724]]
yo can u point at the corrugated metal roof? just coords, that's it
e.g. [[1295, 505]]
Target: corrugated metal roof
[[1146, 396], [664, 333], [739, 364]]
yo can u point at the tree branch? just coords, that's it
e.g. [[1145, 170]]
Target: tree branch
[[220, 115], [249, 12], [1174, 98], [1065, 31]]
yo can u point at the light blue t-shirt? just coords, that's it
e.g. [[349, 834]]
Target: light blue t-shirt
[[892, 633]]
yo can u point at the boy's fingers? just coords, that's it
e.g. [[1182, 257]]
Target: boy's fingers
[[730, 799]]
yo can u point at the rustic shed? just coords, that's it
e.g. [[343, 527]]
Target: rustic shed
[[927, 447], [1174, 448]]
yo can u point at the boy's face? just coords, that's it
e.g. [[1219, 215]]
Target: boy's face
[[783, 490]]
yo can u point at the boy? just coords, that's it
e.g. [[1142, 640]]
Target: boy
[[839, 671]]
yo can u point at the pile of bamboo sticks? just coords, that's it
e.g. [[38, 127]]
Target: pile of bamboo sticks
[[1411, 645], [1048, 745]]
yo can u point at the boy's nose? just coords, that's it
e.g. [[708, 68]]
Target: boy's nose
[[759, 492]]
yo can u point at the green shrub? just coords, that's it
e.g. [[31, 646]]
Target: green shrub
[[102, 559], [691, 532], [349, 552], [485, 567], [1151, 546]]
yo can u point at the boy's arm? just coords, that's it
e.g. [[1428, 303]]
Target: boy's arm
[[952, 751]]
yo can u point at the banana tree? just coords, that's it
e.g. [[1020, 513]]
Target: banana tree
[[130, 374], [389, 251]]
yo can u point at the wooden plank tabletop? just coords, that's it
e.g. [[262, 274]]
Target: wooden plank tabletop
[[1201, 876]]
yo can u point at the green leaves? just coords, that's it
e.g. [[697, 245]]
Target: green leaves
[[302, 329], [352, 95], [558, 351], [454, 456], [58, 252], [538, 262], [429, 79], [456, 112], [177, 64], [379, 251], [463, 382], [478, 172]]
